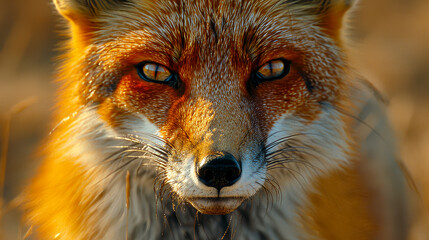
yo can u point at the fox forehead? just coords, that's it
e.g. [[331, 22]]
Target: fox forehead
[[172, 28]]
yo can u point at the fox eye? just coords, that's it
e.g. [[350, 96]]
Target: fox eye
[[274, 69], [154, 72]]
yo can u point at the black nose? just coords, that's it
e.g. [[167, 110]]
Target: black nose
[[219, 170]]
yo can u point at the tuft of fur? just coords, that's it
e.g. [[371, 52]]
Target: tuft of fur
[[121, 159]]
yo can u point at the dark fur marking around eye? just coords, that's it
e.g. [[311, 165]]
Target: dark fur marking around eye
[[308, 83], [213, 28], [112, 86]]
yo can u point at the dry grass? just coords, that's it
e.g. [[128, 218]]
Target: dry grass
[[16, 109], [127, 194], [7, 119], [393, 54]]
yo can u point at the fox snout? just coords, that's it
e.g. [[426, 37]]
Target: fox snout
[[219, 170], [218, 159]]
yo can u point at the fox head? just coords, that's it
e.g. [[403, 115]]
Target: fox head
[[224, 98]]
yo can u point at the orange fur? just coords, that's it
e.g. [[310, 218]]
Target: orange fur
[[293, 135]]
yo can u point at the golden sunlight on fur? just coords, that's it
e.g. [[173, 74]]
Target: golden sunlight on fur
[[215, 119]]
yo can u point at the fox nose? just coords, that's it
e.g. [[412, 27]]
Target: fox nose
[[219, 170]]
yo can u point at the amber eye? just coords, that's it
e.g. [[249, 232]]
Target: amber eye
[[153, 72], [273, 69]]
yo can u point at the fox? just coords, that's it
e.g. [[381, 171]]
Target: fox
[[214, 119]]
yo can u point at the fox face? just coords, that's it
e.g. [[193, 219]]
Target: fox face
[[245, 111], [221, 98]]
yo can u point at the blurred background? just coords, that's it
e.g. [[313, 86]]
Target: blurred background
[[392, 52]]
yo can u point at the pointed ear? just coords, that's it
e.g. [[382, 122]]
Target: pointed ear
[[82, 14], [329, 14], [73, 9], [332, 16]]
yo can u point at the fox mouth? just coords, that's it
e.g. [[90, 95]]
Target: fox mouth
[[217, 205]]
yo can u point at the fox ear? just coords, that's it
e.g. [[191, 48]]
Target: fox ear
[[75, 9], [332, 16], [82, 14], [329, 13]]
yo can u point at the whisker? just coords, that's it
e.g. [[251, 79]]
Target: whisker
[[298, 149], [142, 148], [67, 118], [274, 184], [346, 113], [151, 153], [113, 172], [153, 145], [282, 139], [140, 140]]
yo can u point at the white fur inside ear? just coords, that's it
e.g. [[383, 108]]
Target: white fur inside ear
[[78, 9], [68, 8], [353, 3]]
